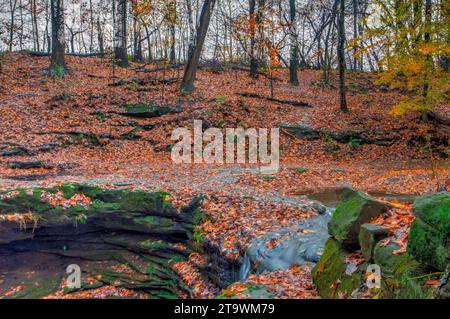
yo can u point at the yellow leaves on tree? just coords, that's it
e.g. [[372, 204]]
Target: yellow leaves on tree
[[414, 44]]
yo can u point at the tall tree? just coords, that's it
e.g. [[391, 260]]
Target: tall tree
[[58, 64], [428, 58], [252, 29], [341, 56], [191, 27], [34, 24], [355, 33], [293, 64], [187, 86], [172, 20], [12, 8], [120, 49]]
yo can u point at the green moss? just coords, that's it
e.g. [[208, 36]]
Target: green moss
[[435, 210], [57, 71], [141, 201], [356, 209], [329, 275], [103, 201], [300, 170], [80, 137], [42, 287], [369, 235], [24, 202], [428, 245], [154, 245], [384, 257]]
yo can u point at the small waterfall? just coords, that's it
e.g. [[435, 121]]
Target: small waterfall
[[244, 271]]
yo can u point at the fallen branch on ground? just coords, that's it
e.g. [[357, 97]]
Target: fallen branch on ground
[[293, 103]]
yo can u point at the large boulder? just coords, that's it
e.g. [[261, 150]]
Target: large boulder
[[430, 233], [356, 209], [434, 209]]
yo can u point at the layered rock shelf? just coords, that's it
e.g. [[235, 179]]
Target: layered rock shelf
[[118, 237]]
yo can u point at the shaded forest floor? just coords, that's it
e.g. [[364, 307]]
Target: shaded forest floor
[[75, 127]]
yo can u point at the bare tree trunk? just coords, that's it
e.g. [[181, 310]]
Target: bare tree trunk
[[12, 7], [252, 22], [172, 23], [191, 27], [137, 43], [34, 23], [120, 50], [58, 64], [444, 9], [187, 85], [293, 64], [149, 44], [341, 57], [428, 58], [101, 46], [21, 25], [355, 32]]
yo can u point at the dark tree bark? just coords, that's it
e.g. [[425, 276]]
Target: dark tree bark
[[293, 64], [187, 85], [58, 64], [137, 40], [120, 50], [252, 22], [355, 33], [34, 23], [341, 57], [172, 18], [101, 46], [91, 35], [12, 7]]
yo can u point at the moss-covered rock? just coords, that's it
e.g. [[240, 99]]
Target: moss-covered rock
[[149, 110], [357, 208], [139, 234], [434, 210], [369, 236], [428, 245], [383, 256], [430, 233], [330, 275], [401, 275]]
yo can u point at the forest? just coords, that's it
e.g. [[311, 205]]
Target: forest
[[224, 149]]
